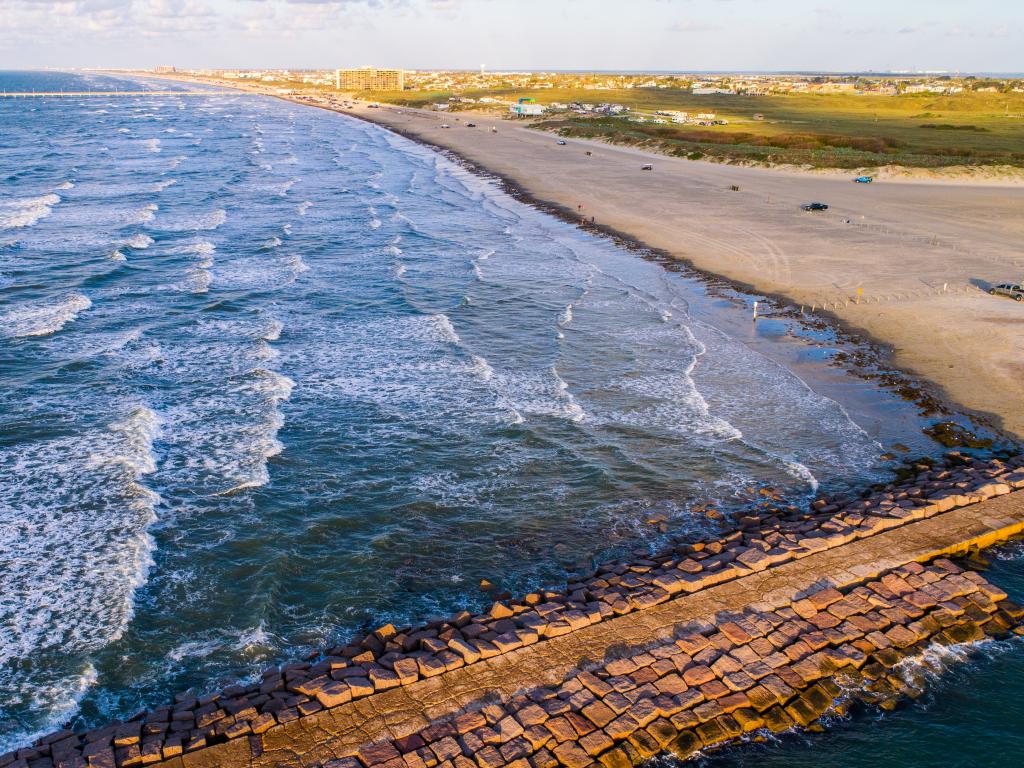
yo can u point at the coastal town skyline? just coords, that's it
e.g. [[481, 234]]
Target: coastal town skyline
[[651, 35]]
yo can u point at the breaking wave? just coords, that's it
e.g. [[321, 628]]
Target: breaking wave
[[27, 211], [43, 318]]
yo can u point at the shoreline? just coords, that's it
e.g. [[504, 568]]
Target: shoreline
[[876, 357], [898, 353], [775, 554]]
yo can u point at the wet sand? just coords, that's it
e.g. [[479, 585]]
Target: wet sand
[[904, 262]]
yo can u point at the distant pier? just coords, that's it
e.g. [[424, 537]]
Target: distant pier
[[59, 94]]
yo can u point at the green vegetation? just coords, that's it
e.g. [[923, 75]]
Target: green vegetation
[[841, 131], [405, 98], [821, 130]]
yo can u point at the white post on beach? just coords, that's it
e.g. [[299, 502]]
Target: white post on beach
[[755, 310], [945, 287]]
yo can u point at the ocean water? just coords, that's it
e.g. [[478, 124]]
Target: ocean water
[[269, 375]]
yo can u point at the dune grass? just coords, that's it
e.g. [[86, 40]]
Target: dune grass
[[845, 131]]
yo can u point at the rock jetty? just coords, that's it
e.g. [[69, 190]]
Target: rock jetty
[[791, 614]]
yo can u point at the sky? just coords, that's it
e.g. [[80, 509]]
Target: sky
[[674, 35]]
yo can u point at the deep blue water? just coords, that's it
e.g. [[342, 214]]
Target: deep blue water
[[268, 374]]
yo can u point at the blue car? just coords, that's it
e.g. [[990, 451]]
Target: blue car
[[863, 179]]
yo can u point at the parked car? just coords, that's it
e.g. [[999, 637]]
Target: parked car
[[864, 179], [471, 125], [814, 207], [561, 142], [445, 125], [646, 167], [1015, 292]]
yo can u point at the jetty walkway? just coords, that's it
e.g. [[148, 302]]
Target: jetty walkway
[[792, 615]]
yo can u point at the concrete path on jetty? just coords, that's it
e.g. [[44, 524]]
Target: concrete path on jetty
[[401, 711], [769, 626]]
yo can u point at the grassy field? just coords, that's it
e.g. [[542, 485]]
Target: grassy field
[[845, 131]]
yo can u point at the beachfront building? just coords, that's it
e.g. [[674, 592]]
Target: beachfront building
[[526, 108], [369, 79]]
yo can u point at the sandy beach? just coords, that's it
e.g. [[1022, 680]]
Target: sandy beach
[[906, 263]]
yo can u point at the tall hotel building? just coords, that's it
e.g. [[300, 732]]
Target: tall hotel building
[[369, 79]]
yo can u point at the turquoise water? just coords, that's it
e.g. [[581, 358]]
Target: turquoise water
[[269, 375]]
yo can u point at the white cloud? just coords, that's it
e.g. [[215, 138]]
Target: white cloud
[[694, 26]]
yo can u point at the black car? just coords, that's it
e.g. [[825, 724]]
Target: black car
[[814, 207], [471, 125]]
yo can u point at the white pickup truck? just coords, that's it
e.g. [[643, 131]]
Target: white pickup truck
[[1014, 291]]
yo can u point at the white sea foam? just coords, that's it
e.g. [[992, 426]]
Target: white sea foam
[[193, 222], [26, 211], [160, 186], [573, 409], [66, 185], [74, 519], [534, 392], [250, 471], [118, 256], [393, 250], [141, 216], [399, 270], [198, 246], [801, 472], [138, 242], [43, 318], [153, 145], [482, 368], [273, 332], [374, 223], [281, 190], [445, 328], [566, 315], [303, 207], [196, 281], [273, 242]]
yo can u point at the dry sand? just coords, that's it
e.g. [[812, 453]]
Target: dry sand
[[921, 253]]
